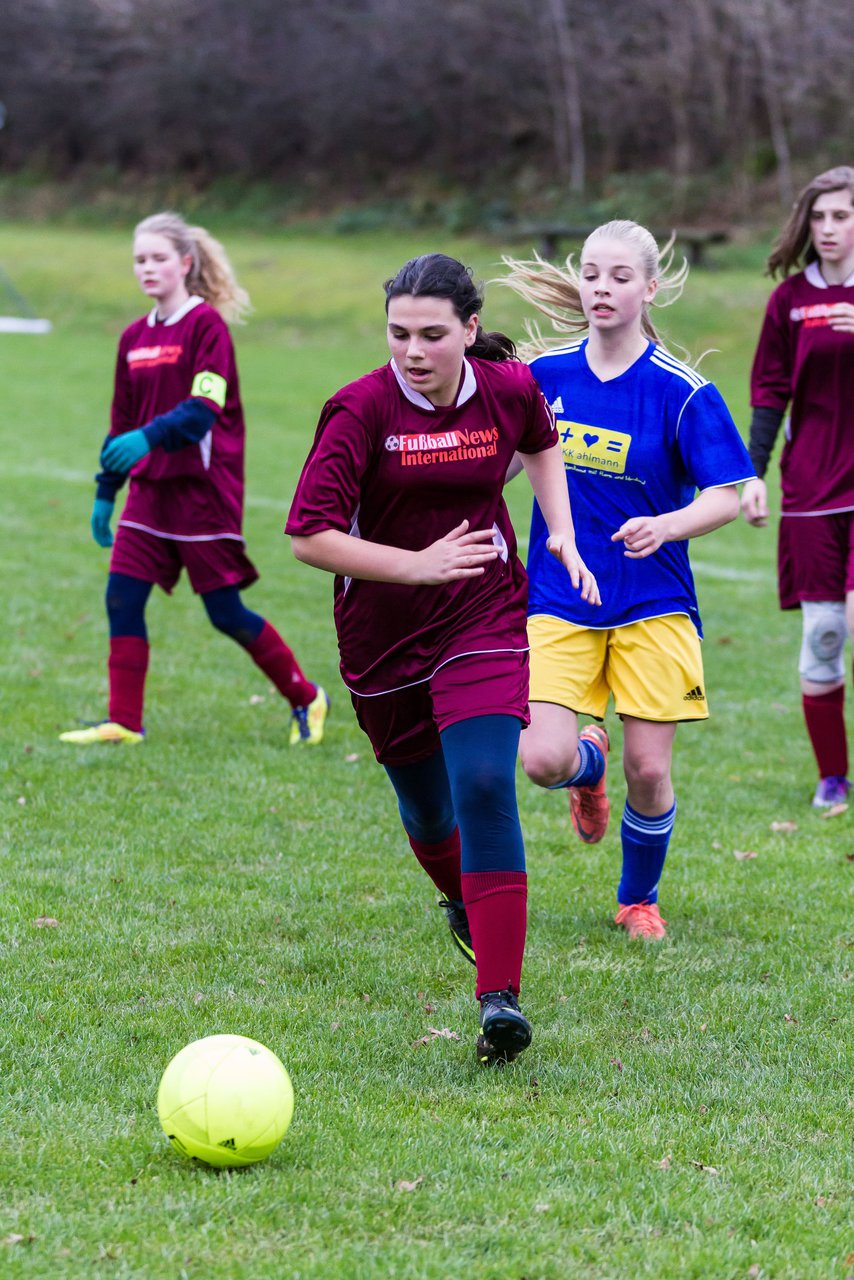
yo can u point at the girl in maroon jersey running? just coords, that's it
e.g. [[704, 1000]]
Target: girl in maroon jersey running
[[177, 429], [401, 498], [805, 360]]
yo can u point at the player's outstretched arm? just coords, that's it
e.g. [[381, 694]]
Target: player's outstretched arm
[[459, 554], [547, 475], [643, 535]]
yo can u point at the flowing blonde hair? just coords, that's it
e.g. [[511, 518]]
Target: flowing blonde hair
[[554, 290], [211, 276]]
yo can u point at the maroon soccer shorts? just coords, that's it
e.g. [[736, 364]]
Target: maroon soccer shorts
[[815, 558], [404, 727], [222, 562]]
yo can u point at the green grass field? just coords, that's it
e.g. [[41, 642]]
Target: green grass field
[[684, 1111]]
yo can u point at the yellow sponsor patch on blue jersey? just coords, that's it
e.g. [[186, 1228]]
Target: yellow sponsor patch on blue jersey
[[599, 448], [210, 385]]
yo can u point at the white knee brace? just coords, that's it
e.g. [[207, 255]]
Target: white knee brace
[[824, 633]]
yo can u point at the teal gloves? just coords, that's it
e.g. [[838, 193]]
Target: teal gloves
[[122, 452], [101, 515]]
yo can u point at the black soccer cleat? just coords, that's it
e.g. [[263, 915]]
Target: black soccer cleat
[[504, 1029], [458, 923]]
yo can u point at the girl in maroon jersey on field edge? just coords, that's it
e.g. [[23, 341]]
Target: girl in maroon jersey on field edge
[[401, 498], [805, 361], [177, 429]]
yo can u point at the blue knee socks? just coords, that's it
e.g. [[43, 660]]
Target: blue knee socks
[[645, 842], [590, 769]]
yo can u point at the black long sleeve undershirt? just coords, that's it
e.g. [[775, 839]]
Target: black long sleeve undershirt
[[764, 426], [186, 424]]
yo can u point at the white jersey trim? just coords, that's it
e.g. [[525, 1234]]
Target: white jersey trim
[[666, 361], [190, 305], [473, 653], [830, 511], [465, 393], [813, 276], [685, 406], [726, 484], [182, 537]]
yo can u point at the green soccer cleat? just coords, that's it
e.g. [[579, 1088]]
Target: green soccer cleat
[[458, 923], [307, 723], [106, 731], [504, 1029]]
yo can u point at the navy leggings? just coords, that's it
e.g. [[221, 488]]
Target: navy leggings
[[471, 783], [127, 597]]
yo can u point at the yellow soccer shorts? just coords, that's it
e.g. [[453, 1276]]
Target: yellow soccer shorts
[[654, 668]]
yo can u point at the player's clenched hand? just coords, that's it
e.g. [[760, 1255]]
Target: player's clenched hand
[[841, 316], [754, 502], [459, 554], [120, 453], [641, 536], [565, 550]]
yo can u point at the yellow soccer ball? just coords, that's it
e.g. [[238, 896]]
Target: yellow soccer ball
[[226, 1100]]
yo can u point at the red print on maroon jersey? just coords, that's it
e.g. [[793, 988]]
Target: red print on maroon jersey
[[811, 316], [150, 357], [445, 446]]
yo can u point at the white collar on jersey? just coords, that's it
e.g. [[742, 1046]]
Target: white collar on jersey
[[813, 276], [467, 390], [193, 301]]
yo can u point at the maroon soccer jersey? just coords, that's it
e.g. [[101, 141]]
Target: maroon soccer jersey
[[388, 466], [197, 491], [803, 363]]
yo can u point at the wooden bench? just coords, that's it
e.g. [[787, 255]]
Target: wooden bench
[[548, 236]]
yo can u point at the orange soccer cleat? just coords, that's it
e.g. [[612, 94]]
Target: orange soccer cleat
[[589, 807], [642, 920]]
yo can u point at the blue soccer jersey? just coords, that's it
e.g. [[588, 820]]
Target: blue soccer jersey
[[640, 444]]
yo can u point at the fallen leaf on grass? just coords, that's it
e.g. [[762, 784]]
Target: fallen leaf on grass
[[788, 825], [835, 810], [14, 1238], [821, 1201], [435, 1033], [256, 699], [403, 1185], [352, 758], [744, 855], [849, 857], [198, 997], [541, 1208], [23, 800], [429, 1008], [665, 1162], [754, 1272], [45, 922], [703, 1109], [704, 1168], [787, 1017], [615, 1062]]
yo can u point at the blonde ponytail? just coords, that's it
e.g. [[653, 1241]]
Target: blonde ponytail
[[554, 290], [211, 276]]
